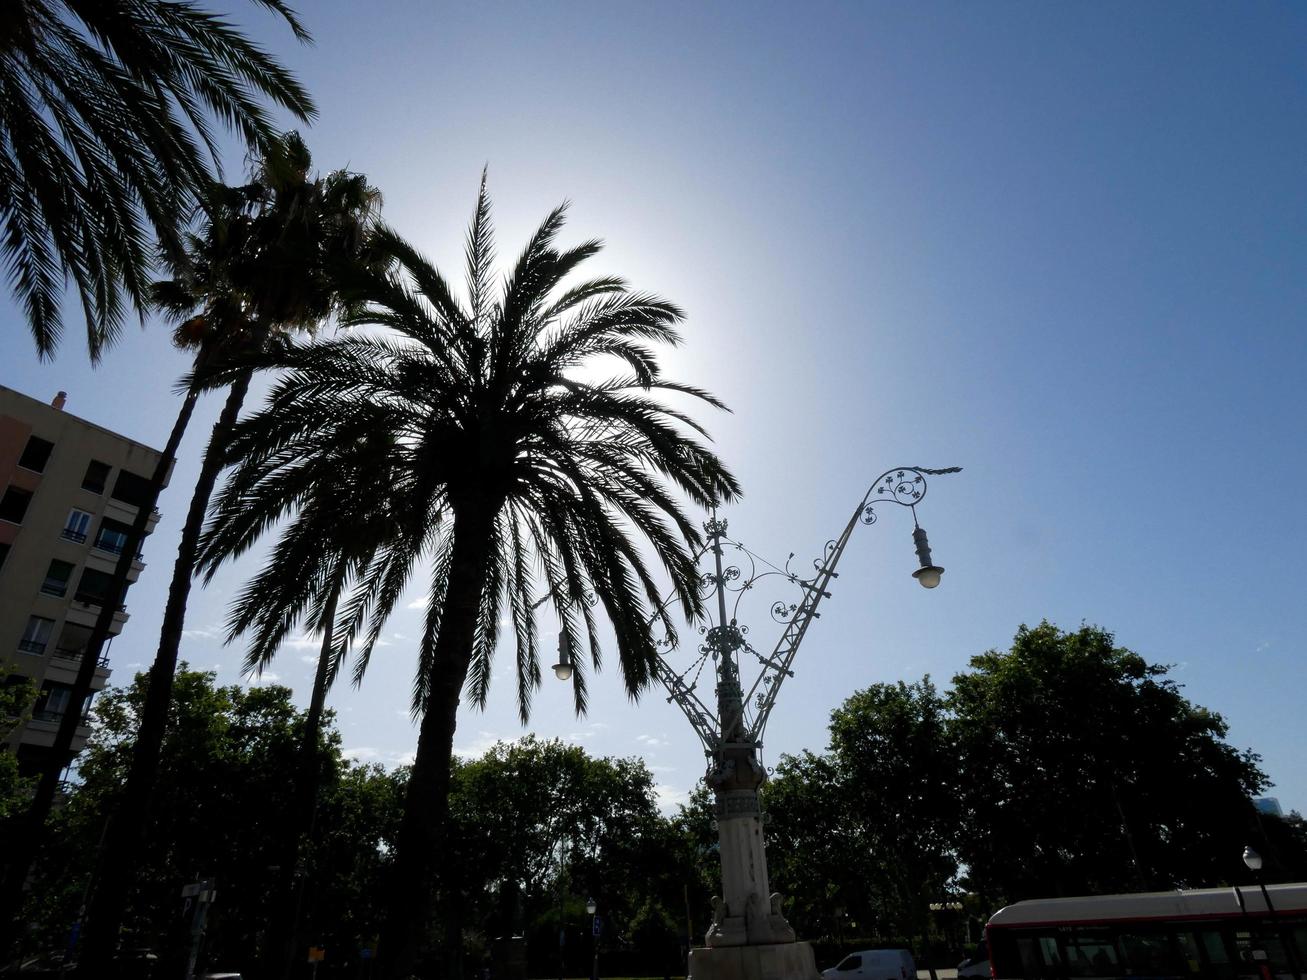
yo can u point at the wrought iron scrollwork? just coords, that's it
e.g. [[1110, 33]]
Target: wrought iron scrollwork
[[725, 641]]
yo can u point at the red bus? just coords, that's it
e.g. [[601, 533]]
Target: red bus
[[1216, 933]]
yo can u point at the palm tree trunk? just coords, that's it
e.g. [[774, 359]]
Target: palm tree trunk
[[33, 823], [426, 805], [307, 778], [128, 829]]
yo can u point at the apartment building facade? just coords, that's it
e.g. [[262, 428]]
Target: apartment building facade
[[69, 493]]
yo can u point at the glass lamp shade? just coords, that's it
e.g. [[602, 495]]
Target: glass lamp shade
[[928, 576], [590, 906], [1252, 859], [563, 670]]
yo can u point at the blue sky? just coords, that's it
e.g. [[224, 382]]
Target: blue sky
[[1061, 246]]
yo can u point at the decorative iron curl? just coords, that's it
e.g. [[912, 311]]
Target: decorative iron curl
[[903, 485], [827, 551], [782, 612]]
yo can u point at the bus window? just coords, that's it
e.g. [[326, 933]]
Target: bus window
[[1052, 958], [1039, 958], [1092, 953], [1186, 944], [1149, 955]]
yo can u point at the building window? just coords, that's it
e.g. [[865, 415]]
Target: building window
[[36, 454], [79, 523], [132, 489], [112, 536], [93, 587], [56, 578], [53, 702], [97, 476], [36, 635], [72, 642], [13, 505]]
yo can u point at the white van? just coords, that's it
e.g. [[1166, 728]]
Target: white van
[[874, 964]]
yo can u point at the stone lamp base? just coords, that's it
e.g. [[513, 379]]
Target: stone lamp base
[[776, 961]]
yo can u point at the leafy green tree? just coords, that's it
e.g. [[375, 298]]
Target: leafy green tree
[[891, 745], [275, 257], [523, 477], [222, 803], [1084, 770], [1282, 842], [818, 853], [17, 695], [863, 837], [521, 804], [107, 142]]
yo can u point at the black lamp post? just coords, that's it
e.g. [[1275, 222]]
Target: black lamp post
[[591, 908], [1254, 862]]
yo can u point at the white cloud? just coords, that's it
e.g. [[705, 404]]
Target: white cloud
[[399, 636], [651, 741], [669, 797], [478, 746], [309, 658], [417, 604], [202, 633], [363, 753], [267, 677], [662, 768], [307, 641]]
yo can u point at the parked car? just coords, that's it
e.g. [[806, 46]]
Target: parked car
[[975, 965], [874, 964]]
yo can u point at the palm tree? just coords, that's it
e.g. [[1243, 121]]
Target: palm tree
[[276, 257], [107, 141], [343, 504], [523, 476]]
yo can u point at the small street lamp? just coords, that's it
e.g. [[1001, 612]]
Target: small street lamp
[[749, 937], [1254, 862], [563, 669], [590, 909]]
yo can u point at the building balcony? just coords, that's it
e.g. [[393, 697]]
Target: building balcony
[[64, 665], [77, 537], [104, 560], [41, 730], [85, 614], [32, 646], [126, 513]]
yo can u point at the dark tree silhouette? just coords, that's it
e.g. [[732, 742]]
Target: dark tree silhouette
[[525, 480], [107, 141]]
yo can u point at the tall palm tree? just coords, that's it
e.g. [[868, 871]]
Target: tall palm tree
[[107, 140], [338, 511], [276, 257], [526, 475]]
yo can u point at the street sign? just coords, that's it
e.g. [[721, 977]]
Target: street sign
[[598, 928], [317, 954]]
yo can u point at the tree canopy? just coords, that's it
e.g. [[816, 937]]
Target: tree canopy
[[1063, 765]]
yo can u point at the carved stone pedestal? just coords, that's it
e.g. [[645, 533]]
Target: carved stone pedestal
[[776, 961]]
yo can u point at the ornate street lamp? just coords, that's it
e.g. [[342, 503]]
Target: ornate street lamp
[[749, 937]]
